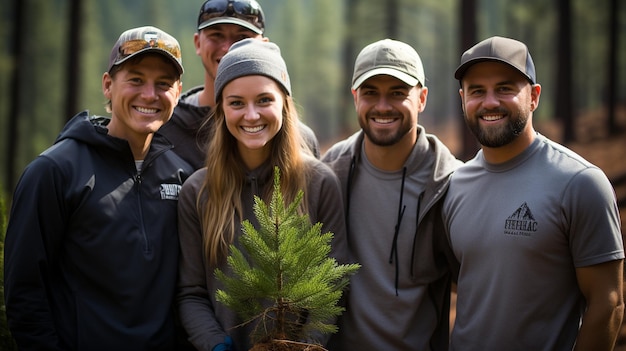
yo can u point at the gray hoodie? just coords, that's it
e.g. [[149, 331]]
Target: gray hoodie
[[395, 321]]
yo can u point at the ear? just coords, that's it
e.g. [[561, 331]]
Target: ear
[[423, 98], [107, 80], [354, 95], [462, 95], [196, 42], [535, 92]]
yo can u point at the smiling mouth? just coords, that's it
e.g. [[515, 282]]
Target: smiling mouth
[[253, 129], [491, 118], [383, 120], [146, 110]]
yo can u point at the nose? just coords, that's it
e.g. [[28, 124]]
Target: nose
[[491, 100], [251, 113], [383, 104], [227, 43], [149, 92]]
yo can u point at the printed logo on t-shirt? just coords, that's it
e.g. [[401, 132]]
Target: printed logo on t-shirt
[[521, 222], [170, 191]]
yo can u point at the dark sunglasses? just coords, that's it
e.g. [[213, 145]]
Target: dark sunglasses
[[247, 10]]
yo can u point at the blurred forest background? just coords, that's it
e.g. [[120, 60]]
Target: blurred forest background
[[55, 51]]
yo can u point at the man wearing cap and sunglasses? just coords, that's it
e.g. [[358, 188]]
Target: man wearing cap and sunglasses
[[220, 24], [394, 176], [534, 226], [91, 251]]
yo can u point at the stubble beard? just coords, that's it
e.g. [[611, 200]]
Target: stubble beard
[[386, 138]]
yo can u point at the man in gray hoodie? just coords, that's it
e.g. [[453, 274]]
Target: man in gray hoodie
[[394, 176]]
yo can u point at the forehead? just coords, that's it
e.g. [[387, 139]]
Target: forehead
[[150, 62], [383, 81], [230, 28], [492, 70], [252, 84]]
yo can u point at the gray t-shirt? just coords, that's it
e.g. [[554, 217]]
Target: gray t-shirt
[[519, 230], [377, 318]]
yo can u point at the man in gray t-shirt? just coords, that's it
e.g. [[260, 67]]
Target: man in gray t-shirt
[[534, 226]]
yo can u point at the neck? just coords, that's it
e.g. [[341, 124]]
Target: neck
[[392, 157], [206, 96], [507, 152], [140, 147]]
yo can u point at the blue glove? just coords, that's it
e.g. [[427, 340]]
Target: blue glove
[[225, 346]]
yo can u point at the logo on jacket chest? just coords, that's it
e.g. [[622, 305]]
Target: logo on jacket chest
[[170, 191]]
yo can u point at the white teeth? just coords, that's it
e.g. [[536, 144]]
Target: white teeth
[[146, 110], [492, 117], [384, 120], [253, 129]]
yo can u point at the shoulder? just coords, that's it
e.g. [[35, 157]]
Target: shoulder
[[344, 148]]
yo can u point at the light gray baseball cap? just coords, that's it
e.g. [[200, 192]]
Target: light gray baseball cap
[[389, 57]]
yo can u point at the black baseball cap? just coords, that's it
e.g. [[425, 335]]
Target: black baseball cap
[[246, 13]]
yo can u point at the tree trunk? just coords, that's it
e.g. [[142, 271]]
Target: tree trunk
[[564, 109], [17, 53], [73, 62], [468, 39]]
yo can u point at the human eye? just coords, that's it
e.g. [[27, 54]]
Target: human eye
[[265, 100], [165, 85], [215, 36], [505, 89], [399, 94], [367, 92], [135, 80], [234, 103], [475, 91]]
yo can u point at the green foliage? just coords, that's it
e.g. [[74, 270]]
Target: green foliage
[[285, 280], [6, 340]]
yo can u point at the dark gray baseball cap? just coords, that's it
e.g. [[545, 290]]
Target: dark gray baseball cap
[[506, 50]]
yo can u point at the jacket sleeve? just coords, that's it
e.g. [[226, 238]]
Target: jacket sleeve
[[330, 212], [33, 239], [194, 303]]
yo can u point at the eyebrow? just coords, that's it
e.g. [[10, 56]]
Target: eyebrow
[[138, 72], [394, 87], [502, 83]]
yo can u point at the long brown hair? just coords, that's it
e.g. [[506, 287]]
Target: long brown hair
[[219, 200]]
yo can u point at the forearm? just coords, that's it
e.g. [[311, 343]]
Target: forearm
[[600, 328]]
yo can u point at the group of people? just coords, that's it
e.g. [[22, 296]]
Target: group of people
[[116, 229]]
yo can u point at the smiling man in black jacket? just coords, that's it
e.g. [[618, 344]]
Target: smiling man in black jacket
[[91, 247]]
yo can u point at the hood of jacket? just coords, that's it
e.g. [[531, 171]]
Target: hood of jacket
[[345, 155]]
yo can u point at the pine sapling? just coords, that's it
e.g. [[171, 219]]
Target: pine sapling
[[285, 281]]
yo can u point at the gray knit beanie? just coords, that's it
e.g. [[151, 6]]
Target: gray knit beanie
[[249, 57]]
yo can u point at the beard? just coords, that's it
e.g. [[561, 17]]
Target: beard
[[497, 136], [387, 137]]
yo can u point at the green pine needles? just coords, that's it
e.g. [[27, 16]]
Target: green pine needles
[[288, 283]]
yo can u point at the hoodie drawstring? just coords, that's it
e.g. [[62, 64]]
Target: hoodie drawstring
[[394, 246], [417, 223]]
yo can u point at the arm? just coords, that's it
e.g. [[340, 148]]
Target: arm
[[601, 285], [34, 233], [194, 302]]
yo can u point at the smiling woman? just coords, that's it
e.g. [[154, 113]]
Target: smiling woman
[[256, 129]]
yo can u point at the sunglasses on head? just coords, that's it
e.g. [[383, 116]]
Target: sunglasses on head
[[248, 10], [132, 46]]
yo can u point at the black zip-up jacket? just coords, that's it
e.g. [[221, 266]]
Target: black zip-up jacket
[[91, 250], [185, 130]]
